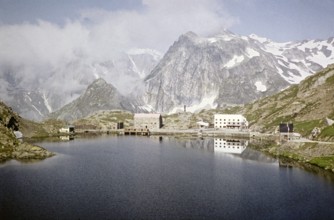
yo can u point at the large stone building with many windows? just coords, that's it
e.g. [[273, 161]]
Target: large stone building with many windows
[[231, 121], [149, 121]]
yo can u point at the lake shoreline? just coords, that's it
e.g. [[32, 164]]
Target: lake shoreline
[[306, 151], [318, 154]]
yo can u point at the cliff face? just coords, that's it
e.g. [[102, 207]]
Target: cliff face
[[227, 69], [10, 146]]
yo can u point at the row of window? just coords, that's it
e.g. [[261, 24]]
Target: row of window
[[229, 147], [235, 126], [229, 123], [229, 119], [237, 143]]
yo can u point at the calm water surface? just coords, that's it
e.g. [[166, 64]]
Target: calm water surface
[[151, 178]]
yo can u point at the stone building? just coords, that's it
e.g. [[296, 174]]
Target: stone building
[[68, 129], [149, 121]]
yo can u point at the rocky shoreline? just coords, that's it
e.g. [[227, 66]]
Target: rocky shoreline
[[24, 151], [319, 154], [10, 146]]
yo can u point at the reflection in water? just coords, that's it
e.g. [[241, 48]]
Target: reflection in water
[[66, 138], [234, 146], [201, 144], [238, 148], [142, 178], [205, 144], [221, 146]]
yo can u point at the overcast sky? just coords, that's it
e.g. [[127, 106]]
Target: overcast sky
[[157, 23], [39, 37]]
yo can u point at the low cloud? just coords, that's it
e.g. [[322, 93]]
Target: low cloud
[[63, 56]]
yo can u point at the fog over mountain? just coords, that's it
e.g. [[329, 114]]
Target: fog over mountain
[[51, 64], [51, 53], [199, 72]]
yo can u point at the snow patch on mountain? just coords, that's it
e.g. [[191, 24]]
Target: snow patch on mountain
[[146, 108], [234, 61], [212, 40], [225, 38], [135, 69], [257, 38], [39, 112], [321, 59], [309, 44], [260, 86], [46, 103], [252, 53]]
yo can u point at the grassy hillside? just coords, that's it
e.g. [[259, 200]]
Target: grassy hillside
[[31, 129], [104, 119], [307, 105]]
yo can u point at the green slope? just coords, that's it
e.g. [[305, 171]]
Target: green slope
[[307, 105]]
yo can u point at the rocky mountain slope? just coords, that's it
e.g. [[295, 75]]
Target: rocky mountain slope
[[98, 96], [10, 146], [35, 92], [206, 72], [199, 72], [307, 105]]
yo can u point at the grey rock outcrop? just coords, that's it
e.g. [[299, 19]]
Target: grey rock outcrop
[[228, 69]]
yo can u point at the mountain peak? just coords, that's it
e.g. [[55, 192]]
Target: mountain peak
[[205, 71], [99, 81], [224, 32], [99, 95], [188, 36], [258, 38], [191, 34]]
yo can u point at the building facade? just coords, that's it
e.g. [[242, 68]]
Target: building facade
[[202, 124], [68, 129], [285, 127], [231, 121], [149, 121]]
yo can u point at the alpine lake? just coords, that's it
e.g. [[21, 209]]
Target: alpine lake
[[139, 177]]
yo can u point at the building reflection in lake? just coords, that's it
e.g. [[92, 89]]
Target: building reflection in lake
[[219, 146], [226, 145], [66, 138]]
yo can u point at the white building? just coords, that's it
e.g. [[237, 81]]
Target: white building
[[69, 129], [233, 121], [233, 146], [202, 124]]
